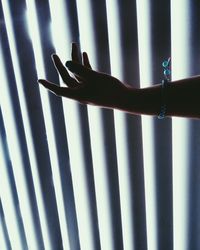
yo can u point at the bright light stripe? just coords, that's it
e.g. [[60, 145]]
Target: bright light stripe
[[36, 42], [8, 203], [113, 21], [96, 134], [180, 43], [124, 181], [101, 179], [78, 165], [144, 38], [27, 128], [17, 163], [3, 244], [28, 133]]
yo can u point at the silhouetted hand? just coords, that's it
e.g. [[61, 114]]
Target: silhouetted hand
[[86, 85]]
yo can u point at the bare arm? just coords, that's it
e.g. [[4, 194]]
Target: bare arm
[[92, 87], [182, 99]]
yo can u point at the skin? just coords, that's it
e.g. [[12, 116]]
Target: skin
[[87, 86], [91, 87]]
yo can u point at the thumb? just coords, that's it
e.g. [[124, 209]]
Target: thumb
[[79, 70]]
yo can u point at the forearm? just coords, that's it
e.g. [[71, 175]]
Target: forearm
[[182, 99]]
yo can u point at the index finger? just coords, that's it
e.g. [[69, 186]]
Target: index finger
[[60, 91], [63, 71]]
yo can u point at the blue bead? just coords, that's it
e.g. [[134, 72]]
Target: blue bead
[[167, 72], [165, 64]]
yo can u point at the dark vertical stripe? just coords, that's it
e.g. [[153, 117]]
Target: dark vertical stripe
[[161, 50], [3, 223], [194, 134]]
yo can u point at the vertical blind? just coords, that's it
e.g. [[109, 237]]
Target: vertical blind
[[81, 177]]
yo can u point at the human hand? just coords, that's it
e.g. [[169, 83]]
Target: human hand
[[86, 85]]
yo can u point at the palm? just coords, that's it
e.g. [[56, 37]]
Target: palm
[[87, 86], [101, 89]]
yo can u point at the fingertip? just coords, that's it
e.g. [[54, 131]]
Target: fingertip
[[54, 57], [41, 81], [73, 44], [85, 56], [86, 61]]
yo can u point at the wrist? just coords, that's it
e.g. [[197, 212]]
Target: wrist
[[141, 100], [129, 100]]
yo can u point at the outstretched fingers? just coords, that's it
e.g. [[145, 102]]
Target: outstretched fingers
[[80, 70], [60, 91]]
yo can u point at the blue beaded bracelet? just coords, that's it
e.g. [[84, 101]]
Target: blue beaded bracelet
[[165, 82], [163, 98]]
